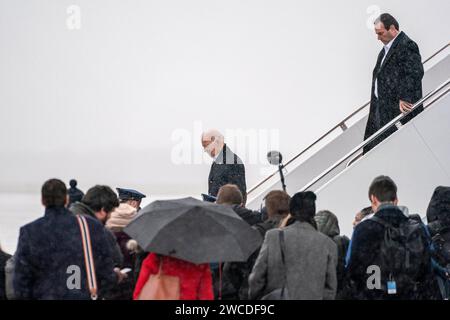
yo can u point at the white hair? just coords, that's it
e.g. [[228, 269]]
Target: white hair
[[213, 135]]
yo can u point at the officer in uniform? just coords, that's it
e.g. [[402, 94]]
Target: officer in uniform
[[131, 197]]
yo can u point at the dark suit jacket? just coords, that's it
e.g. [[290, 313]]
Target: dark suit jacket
[[227, 168], [399, 78]]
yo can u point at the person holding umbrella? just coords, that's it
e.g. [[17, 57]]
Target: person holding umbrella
[[183, 236]]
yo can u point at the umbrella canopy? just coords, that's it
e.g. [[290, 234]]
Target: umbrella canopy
[[194, 231]]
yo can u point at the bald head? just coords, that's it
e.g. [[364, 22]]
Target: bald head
[[212, 142]]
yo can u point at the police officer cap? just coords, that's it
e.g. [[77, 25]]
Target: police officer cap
[[129, 194]]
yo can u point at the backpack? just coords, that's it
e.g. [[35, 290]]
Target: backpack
[[438, 235], [402, 258], [342, 243]]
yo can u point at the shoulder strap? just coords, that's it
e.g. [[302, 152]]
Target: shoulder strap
[[381, 221], [283, 258], [282, 247], [88, 257]]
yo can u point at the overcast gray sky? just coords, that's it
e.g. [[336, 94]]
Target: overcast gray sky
[[102, 103]]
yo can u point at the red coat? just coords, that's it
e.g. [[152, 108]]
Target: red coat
[[195, 280]]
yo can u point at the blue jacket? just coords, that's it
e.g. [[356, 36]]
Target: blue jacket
[[48, 247]]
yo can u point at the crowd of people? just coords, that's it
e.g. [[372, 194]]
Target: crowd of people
[[392, 254]]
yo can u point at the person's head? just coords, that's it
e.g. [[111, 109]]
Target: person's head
[[361, 215], [132, 202], [277, 203], [73, 183], [131, 197], [102, 200], [54, 194], [302, 207], [382, 190], [327, 223], [230, 194], [439, 206], [386, 28], [212, 142]]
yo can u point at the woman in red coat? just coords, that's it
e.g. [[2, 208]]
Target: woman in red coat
[[195, 280]]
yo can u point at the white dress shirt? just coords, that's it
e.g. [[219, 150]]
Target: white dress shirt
[[386, 51], [218, 154]]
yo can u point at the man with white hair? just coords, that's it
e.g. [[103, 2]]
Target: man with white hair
[[227, 167]]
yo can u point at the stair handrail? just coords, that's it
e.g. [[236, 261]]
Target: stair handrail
[[392, 123]]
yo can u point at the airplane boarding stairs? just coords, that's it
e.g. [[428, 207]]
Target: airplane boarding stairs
[[417, 156]]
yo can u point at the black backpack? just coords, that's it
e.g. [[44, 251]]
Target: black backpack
[[342, 243], [439, 246], [402, 258]]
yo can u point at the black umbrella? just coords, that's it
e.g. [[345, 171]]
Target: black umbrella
[[193, 230]]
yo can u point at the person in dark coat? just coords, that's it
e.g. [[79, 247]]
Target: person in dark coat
[[397, 79], [439, 206], [75, 194], [3, 258], [50, 249], [328, 224], [438, 218], [362, 215], [235, 274], [365, 252], [230, 195], [130, 201], [227, 167], [98, 203]]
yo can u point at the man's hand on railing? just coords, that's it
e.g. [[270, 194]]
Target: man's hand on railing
[[405, 107]]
